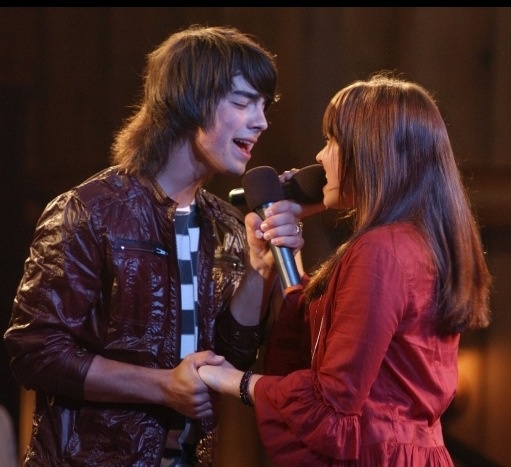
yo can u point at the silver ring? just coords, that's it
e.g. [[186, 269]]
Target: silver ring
[[299, 228]]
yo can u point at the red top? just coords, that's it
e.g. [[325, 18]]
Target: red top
[[380, 377]]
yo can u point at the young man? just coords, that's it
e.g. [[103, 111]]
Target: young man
[[137, 274]]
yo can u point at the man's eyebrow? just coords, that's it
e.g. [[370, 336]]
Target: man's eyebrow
[[247, 94]]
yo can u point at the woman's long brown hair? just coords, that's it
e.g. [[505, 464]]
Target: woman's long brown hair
[[395, 152]]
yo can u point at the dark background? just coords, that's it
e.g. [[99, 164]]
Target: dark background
[[70, 76]]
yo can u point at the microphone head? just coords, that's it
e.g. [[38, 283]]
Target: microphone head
[[306, 185], [261, 185]]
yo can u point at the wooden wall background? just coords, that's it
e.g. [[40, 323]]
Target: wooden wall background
[[68, 77]]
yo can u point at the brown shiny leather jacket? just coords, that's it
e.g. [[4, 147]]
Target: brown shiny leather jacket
[[102, 278]]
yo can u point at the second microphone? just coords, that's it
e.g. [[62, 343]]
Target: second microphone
[[305, 186]]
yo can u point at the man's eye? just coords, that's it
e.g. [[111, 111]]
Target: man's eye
[[240, 104]]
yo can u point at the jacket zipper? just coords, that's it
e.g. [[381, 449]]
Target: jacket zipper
[[130, 245]]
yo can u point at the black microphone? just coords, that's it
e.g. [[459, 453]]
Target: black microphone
[[262, 187], [305, 187]]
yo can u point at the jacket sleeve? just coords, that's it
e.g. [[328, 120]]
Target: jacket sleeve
[[51, 304], [239, 344]]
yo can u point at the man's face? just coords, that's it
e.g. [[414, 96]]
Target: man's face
[[225, 147]]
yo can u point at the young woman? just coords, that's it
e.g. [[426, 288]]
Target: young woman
[[386, 310]]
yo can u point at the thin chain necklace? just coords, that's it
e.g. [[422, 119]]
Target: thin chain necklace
[[320, 328]]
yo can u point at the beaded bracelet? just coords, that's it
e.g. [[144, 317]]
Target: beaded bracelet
[[244, 394]]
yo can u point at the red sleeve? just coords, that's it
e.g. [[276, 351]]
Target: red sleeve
[[288, 345], [313, 415]]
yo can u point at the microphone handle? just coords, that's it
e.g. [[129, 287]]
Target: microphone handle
[[285, 261], [237, 197], [286, 266]]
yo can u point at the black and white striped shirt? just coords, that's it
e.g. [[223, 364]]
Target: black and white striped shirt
[[187, 240]]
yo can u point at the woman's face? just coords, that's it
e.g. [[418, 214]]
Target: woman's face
[[329, 158]]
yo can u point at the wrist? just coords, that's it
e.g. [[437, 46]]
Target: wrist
[[261, 269]]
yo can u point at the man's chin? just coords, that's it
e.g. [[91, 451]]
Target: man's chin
[[237, 171]]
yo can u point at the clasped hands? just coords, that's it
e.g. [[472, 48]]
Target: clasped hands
[[220, 375]]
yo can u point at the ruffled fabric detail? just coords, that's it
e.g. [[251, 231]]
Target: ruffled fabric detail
[[298, 424], [404, 455], [299, 428]]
